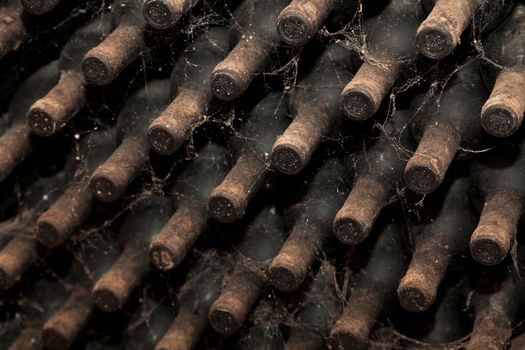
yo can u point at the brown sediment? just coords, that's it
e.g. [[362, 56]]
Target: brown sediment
[[440, 33], [110, 180], [56, 224], [362, 96], [418, 288], [169, 247], [61, 104], [187, 328], [176, 123], [103, 64], [425, 171], [355, 219], [302, 339], [231, 77], [38, 7], [230, 199], [292, 151], [492, 326], [298, 22], [29, 339], [62, 329], [15, 258], [113, 289], [353, 328], [162, 14], [289, 268], [242, 289], [496, 230], [502, 114], [15, 145], [12, 30]]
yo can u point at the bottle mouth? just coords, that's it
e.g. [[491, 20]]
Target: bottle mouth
[[158, 14], [294, 29], [435, 43]]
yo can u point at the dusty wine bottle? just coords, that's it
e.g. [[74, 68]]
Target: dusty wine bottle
[[15, 142], [257, 38], [312, 214], [191, 192], [443, 124], [145, 220], [498, 192], [300, 20], [201, 288], [390, 57], [371, 290], [438, 240], [261, 241], [318, 312], [68, 97], [191, 91], [315, 106], [496, 313], [74, 205], [377, 172], [251, 148], [102, 64], [162, 14], [110, 180], [13, 31], [440, 33], [502, 114]]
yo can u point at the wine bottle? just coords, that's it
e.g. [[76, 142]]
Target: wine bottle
[[145, 220], [318, 312], [251, 148], [261, 241], [57, 223], [162, 14], [497, 312], [110, 180], [38, 7], [371, 290], [502, 114], [67, 97], [300, 20], [191, 192], [440, 33], [497, 190], [257, 38], [13, 32], [438, 240], [201, 288], [102, 64], [312, 215], [390, 57], [15, 142], [443, 124], [377, 172], [315, 106], [191, 89]]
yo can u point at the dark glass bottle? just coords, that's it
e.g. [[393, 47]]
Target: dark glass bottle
[[440, 33], [311, 218], [504, 51], [444, 123], [390, 57], [316, 108], [257, 38], [191, 90], [378, 171], [251, 149], [191, 192], [38, 7], [255, 248], [67, 97], [102, 64], [110, 180]]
